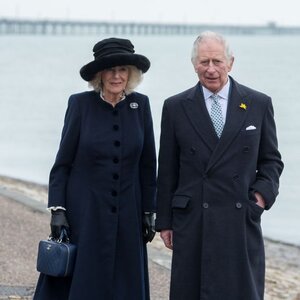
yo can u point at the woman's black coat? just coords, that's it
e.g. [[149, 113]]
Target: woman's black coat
[[105, 177]]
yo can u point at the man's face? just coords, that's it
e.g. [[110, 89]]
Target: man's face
[[212, 66]]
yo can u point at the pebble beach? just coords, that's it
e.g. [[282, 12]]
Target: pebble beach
[[24, 221]]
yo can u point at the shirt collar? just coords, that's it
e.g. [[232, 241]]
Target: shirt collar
[[223, 93], [102, 96]]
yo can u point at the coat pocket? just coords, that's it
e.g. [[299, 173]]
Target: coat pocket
[[255, 211], [180, 201], [250, 132]]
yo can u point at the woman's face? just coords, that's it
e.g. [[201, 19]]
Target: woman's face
[[114, 80]]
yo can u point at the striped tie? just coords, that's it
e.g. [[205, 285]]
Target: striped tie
[[216, 114]]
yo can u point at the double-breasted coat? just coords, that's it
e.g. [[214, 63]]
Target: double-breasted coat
[[205, 193], [105, 177]]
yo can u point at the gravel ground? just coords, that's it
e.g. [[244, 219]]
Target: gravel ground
[[22, 226], [21, 229]]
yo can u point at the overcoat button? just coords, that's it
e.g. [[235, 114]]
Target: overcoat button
[[238, 205], [192, 150], [114, 193], [116, 127], [117, 143], [114, 209], [115, 176], [236, 177], [116, 160], [246, 149], [205, 205]]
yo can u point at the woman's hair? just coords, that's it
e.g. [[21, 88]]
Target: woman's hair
[[209, 35], [134, 79]]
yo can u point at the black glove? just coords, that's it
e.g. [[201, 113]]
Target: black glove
[[58, 222], [148, 226]]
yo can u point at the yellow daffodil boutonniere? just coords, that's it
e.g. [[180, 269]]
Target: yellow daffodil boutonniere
[[243, 106]]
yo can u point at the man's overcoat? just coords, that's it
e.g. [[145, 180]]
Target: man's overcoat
[[205, 193], [105, 177]]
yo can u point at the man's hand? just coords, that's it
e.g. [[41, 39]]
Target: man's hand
[[167, 237], [260, 200]]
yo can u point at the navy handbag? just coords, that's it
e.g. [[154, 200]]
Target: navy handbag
[[56, 257]]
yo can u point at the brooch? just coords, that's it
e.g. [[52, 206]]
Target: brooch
[[134, 105]]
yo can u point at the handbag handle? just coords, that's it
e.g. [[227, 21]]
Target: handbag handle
[[62, 238]]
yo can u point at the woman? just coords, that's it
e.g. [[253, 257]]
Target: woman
[[102, 185]]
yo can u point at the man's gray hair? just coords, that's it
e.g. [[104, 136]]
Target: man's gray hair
[[210, 35]]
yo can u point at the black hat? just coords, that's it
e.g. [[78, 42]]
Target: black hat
[[113, 52]]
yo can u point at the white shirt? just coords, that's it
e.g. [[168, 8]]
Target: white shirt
[[223, 98]]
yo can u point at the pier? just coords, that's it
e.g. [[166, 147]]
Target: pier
[[62, 27]]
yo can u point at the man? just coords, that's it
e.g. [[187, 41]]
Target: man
[[219, 169]]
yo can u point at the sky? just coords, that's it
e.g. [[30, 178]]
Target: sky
[[234, 12]]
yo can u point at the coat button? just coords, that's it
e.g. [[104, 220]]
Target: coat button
[[116, 160], [115, 112], [113, 209], [238, 205], [117, 143], [114, 193], [246, 149], [115, 176], [116, 127], [235, 177], [205, 205], [192, 151]]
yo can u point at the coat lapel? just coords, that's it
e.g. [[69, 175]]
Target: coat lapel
[[197, 113], [237, 110]]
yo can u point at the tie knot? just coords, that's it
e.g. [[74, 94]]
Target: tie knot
[[215, 97]]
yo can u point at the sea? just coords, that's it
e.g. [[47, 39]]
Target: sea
[[38, 74]]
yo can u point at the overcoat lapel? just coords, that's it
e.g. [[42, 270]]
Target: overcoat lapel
[[197, 113], [237, 110]]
